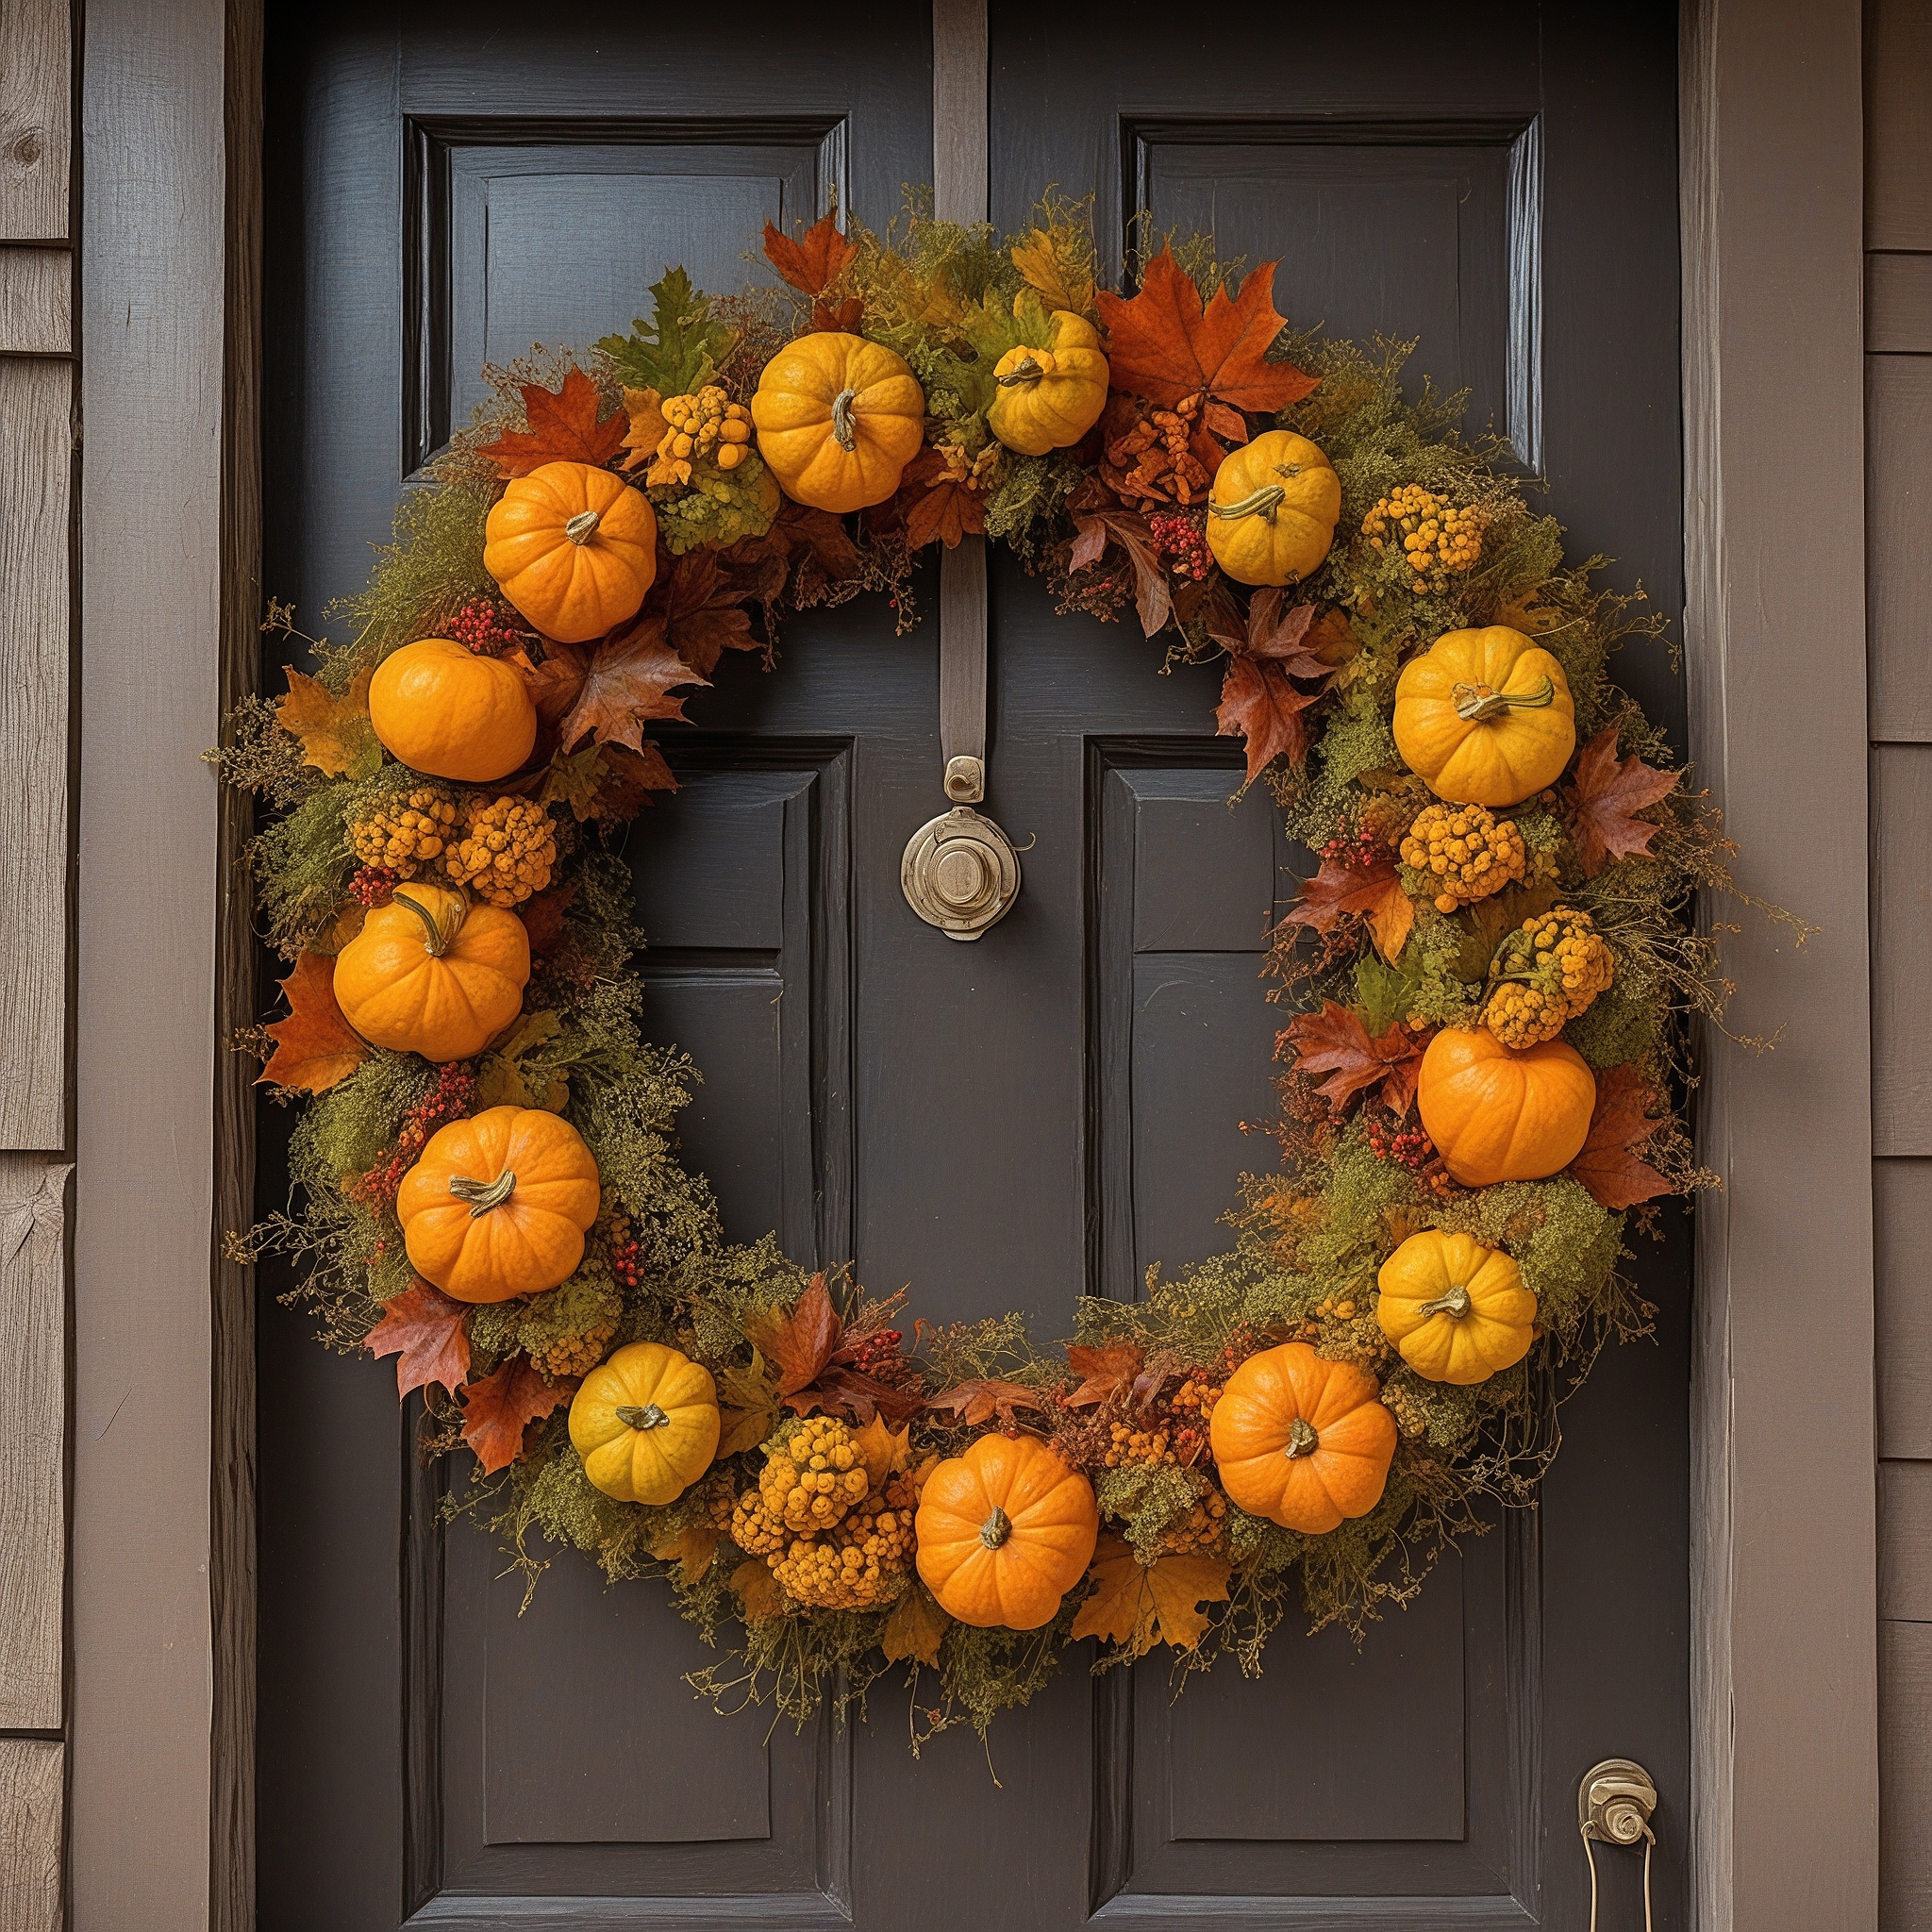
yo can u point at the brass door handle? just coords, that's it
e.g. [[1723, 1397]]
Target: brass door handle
[[1614, 1805]]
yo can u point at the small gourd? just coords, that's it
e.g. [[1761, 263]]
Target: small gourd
[[1049, 398], [645, 1423], [1500, 1113], [497, 1205], [433, 972], [574, 547], [1484, 717], [1273, 509], [838, 418], [1004, 1532], [441, 709], [1458, 1310], [1303, 1441]]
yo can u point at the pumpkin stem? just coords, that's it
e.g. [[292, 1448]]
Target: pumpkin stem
[[844, 430], [997, 1528], [1261, 503], [438, 935], [1456, 1302], [1026, 372], [1302, 1439], [1476, 702], [483, 1195], [583, 527], [648, 1417]]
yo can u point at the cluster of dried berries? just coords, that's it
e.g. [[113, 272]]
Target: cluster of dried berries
[[448, 1099]]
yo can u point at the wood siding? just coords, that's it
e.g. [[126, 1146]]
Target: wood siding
[[1898, 484]]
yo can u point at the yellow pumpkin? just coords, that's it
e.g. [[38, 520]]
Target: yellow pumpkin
[[1301, 1439], [441, 709], [574, 548], [1004, 1532], [433, 972], [497, 1205], [1273, 509], [1499, 1113], [1050, 398], [1484, 717], [838, 418], [645, 1423], [1456, 1310]]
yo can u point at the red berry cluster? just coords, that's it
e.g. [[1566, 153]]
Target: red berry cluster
[[372, 884], [627, 1260], [1406, 1147], [448, 1100], [487, 626], [1181, 539], [1358, 847], [877, 1351]]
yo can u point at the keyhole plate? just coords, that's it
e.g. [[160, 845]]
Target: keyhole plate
[[960, 874]]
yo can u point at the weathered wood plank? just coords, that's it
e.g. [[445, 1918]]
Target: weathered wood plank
[[1898, 124], [33, 1797], [1898, 305], [1905, 1542], [36, 120], [33, 1413], [36, 470], [1901, 935], [36, 301], [1904, 1770], [1901, 1202], [1898, 497]]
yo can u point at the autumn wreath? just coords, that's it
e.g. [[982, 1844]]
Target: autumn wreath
[[1487, 973]]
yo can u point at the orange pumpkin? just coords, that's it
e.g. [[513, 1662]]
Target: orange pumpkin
[[1302, 1440], [574, 548], [497, 1205], [1499, 1113], [1004, 1532], [441, 709], [432, 972], [838, 418]]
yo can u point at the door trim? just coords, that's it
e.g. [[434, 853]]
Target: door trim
[[1783, 1583]]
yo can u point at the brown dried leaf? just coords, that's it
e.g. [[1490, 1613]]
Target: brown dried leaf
[[979, 1401], [1261, 703], [1372, 893], [1601, 806], [625, 680], [1138, 1606], [693, 1549], [647, 427], [1097, 528], [704, 611], [1333, 1041], [760, 1598], [813, 263], [799, 1343], [916, 1628], [1104, 1372]]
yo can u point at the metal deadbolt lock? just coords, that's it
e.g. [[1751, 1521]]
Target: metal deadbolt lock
[[960, 873], [1614, 1802]]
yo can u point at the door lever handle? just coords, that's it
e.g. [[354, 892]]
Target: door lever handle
[[1614, 1805]]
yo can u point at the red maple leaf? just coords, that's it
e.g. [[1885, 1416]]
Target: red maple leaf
[[1601, 806], [609, 693], [431, 1334], [704, 612], [1261, 702], [1104, 1372], [1611, 1164], [1162, 343], [979, 1401], [564, 427], [1372, 892], [1333, 1041], [497, 1410], [816, 261]]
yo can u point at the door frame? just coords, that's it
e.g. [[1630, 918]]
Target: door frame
[[1784, 1811]]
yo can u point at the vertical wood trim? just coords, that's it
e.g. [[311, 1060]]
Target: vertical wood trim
[[36, 515], [1905, 1902], [35, 118], [1784, 1558], [31, 1779], [152, 302], [1898, 139], [959, 178], [33, 1441], [231, 1566]]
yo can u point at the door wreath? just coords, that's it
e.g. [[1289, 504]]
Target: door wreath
[[1487, 973]]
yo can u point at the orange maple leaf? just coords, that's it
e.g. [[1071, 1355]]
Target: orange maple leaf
[[1372, 892], [428, 1333], [497, 1410], [1333, 1041], [1601, 806], [1162, 343], [941, 506], [564, 426], [645, 427], [615, 688], [1611, 1164], [315, 1047], [814, 262], [1103, 1371], [799, 1343], [915, 1629], [979, 1401], [1139, 1606], [336, 734]]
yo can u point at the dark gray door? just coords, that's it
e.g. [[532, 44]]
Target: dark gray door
[[1005, 1124]]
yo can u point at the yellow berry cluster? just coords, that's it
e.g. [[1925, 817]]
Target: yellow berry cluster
[[1126, 1445], [809, 1482], [508, 851], [405, 832], [1195, 1398], [1435, 536], [701, 425], [1548, 973], [1201, 1529], [578, 1354], [864, 1560], [1467, 852]]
